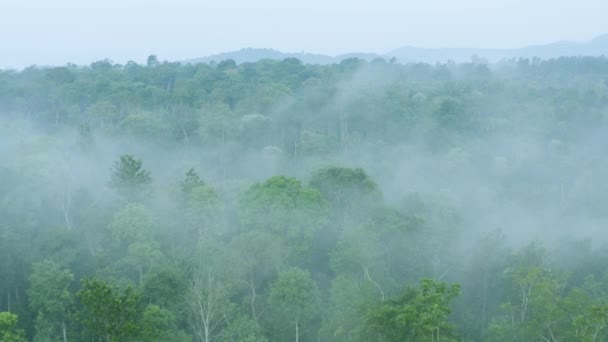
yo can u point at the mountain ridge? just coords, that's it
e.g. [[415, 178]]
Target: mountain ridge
[[597, 46]]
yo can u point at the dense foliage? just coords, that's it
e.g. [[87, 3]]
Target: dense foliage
[[277, 201]]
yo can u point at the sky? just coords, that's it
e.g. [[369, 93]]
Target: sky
[[57, 32]]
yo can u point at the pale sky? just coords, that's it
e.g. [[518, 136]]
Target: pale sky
[[55, 32]]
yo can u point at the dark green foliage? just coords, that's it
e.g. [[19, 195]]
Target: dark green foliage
[[191, 181], [243, 329], [294, 301], [129, 179], [159, 325], [350, 191], [50, 297], [164, 285], [108, 312], [281, 204], [287, 209], [8, 328], [420, 314]]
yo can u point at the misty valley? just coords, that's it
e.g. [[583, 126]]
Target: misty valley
[[281, 201]]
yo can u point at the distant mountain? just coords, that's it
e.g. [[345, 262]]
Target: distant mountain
[[254, 55], [408, 54], [595, 47]]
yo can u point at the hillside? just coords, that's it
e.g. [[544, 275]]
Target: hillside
[[595, 47], [250, 55], [411, 54]]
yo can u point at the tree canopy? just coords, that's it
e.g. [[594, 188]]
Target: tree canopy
[[284, 201]]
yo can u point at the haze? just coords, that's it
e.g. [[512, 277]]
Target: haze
[[420, 195], [56, 32]]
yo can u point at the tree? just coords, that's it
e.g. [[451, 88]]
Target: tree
[[152, 61], [243, 329], [191, 181], [129, 179], [351, 192], [349, 299], [294, 302], [142, 256], [536, 308], [591, 324], [284, 207], [204, 212], [8, 328], [60, 75], [50, 296], [484, 283], [213, 281], [450, 113], [419, 314], [133, 223], [209, 304], [164, 285], [158, 325], [146, 125], [109, 313], [261, 255], [382, 250]]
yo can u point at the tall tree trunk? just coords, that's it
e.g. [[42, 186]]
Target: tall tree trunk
[[186, 139], [141, 276], [223, 154], [369, 277], [484, 298], [65, 333], [297, 332], [253, 298], [65, 206], [526, 290]]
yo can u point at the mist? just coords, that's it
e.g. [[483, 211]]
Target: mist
[[43, 33], [277, 201]]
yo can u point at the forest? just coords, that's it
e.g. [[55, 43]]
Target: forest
[[282, 201]]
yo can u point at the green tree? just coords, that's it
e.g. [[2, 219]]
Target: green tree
[[191, 181], [109, 313], [159, 325], [243, 329], [152, 61], [283, 206], [590, 326], [351, 192], [261, 255], [294, 302], [142, 256], [204, 212], [129, 179], [164, 285], [383, 250], [349, 299], [486, 289], [50, 297], [536, 305], [536, 310], [419, 314], [212, 283], [8, 328], [132, 223]]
